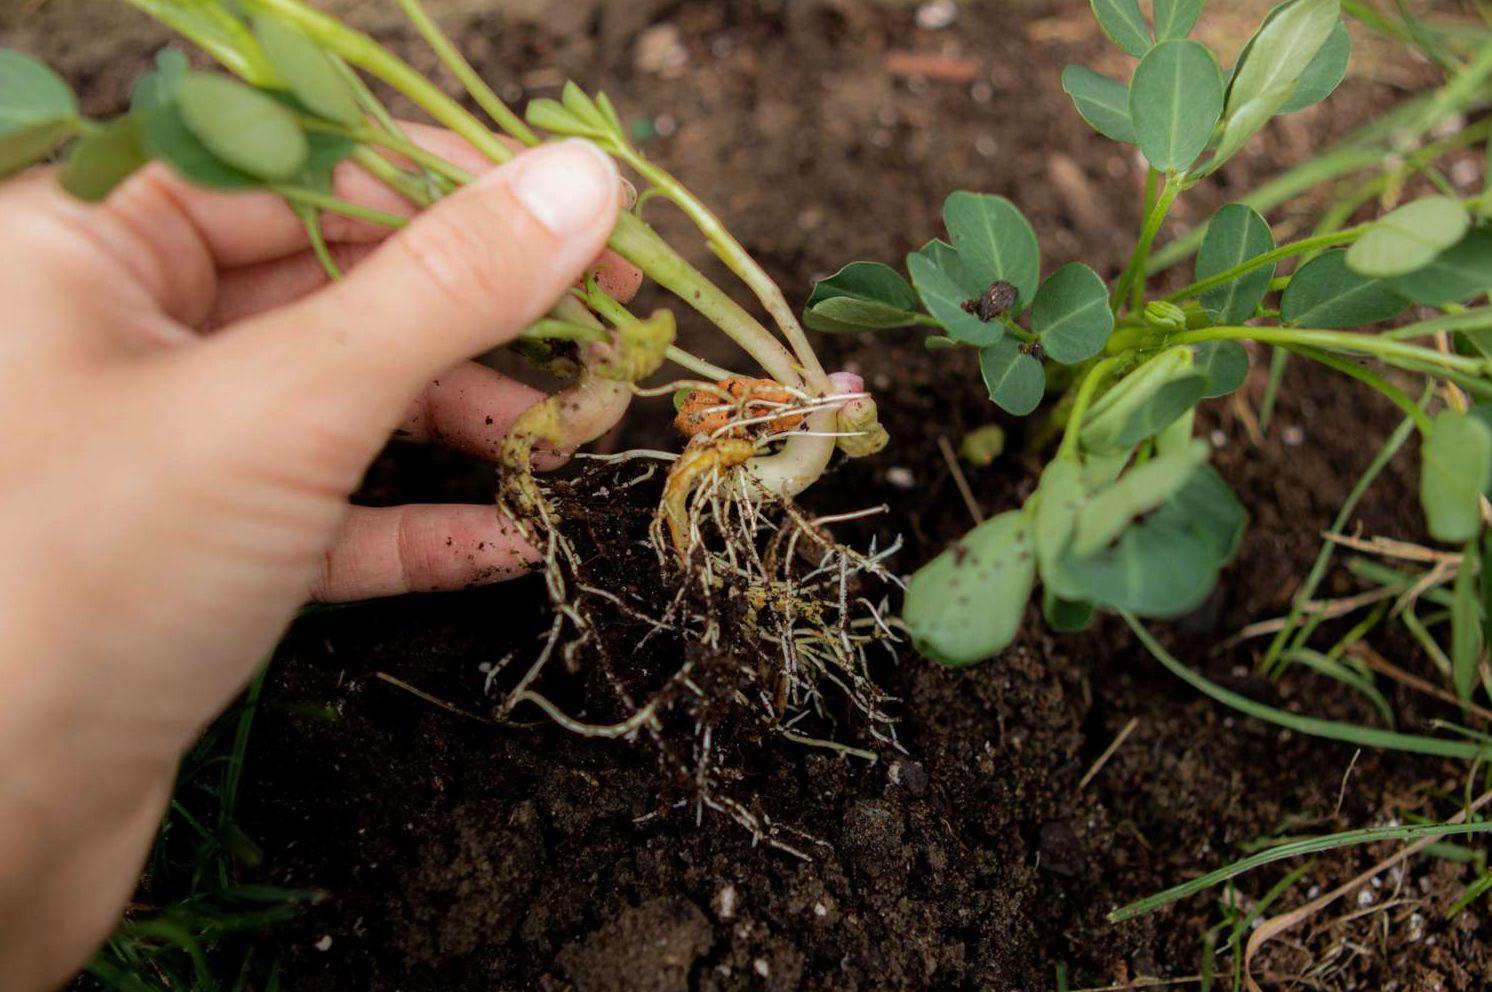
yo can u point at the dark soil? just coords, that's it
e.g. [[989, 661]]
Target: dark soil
[[463, 856]]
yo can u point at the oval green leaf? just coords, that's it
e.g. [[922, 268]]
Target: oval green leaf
[[945, 285], [1015, 380], [1166, 564], [1409, 238], [244, 128], [1455, 471], [1324, 74], [1235, 235], [1176, 18], [1071, 315], [1101, 101], [31, 93], [1272, 66], [1224, 364], [1175, 100], [995, 242], [967, 604], [1455, 276], [103, 160], [309, 72], [1325, 293], [1122, 21], [165, 136], [859, 297]]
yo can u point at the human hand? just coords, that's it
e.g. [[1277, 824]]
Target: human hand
[[184, 410]]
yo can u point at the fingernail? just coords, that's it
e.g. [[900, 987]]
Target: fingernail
[[567, 186]]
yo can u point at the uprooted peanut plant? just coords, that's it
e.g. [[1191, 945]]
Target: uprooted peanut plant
[[765, 610]]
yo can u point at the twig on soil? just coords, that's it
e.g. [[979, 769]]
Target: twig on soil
[[1409, 680], [1109, 752], [432, 700], [960, 480]]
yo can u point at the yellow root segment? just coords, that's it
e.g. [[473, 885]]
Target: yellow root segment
[[563, 422], [696, 463]]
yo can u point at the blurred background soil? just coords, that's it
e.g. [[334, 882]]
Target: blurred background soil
[[462, 857]]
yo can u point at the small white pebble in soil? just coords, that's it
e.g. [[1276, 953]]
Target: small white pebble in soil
[[901, 477], [1293, 436], [1376, 882], [1416, 928], [325, 943], [1365, 897], [665, 125], [485, 667], [986, 146], [820, 910], [761, 967], [982, 92], [725, 903], [937, 15], [1465, 173], [1219, 439]]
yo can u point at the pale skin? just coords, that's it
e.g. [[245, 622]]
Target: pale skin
[[185, 407]]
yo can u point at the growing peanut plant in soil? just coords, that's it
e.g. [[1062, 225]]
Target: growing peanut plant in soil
[[1128, 516]]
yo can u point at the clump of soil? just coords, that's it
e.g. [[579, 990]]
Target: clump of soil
[[462, 855]]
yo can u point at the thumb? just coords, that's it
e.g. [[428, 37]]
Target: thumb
[[467, 275]]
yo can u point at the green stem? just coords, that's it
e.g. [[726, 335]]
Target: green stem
[[1364, 344], [1467, 320], [1395, 395], [406, 185], [1303, 247], [491, 104], [737, 259], [216, 32], [1139, 261], [1087, 390], [337, 205], [1295, 849], [639, 243], [1312, 726], [397, 144], [614, 313], [1153, 186]]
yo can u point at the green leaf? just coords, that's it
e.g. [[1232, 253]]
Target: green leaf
[[1015, 379], [165, 136], [326, 151], [1272, 66], [1409, 238], [1325, 293], [1325, 73], [1122, 21], [1176, 18], [995, 242], [1235, 235], [1175, 100], [1144, 403], [25, 147], [103, 160], [31, 94], [861, 296], [1455, 470], [1166, 564], [1455, 276], [1466, 624], [1143, 489], [1224, 364], [1071, 315], [968, 603], [1101, 101], [242, 127], [310, 73], [1066, 616], [945, 285]]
